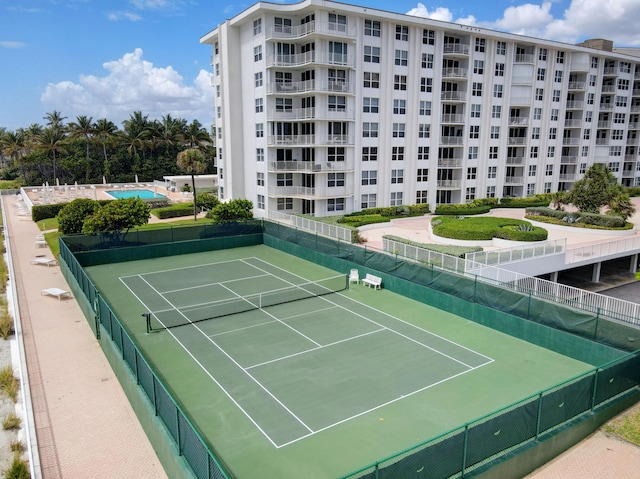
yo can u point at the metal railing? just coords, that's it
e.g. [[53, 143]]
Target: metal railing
[[307, 224]]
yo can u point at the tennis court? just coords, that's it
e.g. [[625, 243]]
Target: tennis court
[[300, 358], [324, 382]]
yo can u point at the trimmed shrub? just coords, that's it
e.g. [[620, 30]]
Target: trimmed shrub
[[514, 233], [484, 229], [175, 211], [44, 212], [538, 200], [576, 219], [462, 209]]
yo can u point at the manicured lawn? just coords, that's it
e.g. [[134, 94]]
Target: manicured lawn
[[485, 228]]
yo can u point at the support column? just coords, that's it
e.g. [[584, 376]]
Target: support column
[[633, 267], [595, 275], [553, 277]]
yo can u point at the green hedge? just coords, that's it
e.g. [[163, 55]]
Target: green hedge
[[487, 228], [44, 212], [181, 209], [462, 209], [576, 219], [361, 220], [538, 200], [451, 250]]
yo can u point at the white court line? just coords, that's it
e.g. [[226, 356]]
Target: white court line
[[237, 365], [185, 267], [213, 284]]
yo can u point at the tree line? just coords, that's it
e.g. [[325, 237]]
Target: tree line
[[87, 151]]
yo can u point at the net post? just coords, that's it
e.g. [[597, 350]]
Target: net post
[[147, 317]]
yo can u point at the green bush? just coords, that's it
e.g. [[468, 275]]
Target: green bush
[[462, 209], [43, 212], [18, 469], [361, 220], [538, 200], [576, 219], [633, 191], [513, 233], [486, 228], [175, 211]]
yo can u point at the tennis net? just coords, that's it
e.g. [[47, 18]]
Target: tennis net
[[172, 318]]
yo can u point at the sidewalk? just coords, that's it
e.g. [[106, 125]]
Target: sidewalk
[[84, 423]]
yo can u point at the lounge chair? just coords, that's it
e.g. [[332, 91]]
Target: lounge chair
[[56, 292]]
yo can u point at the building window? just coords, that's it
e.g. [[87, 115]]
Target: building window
[[547, 187], [474, 131], [476, 89], [335, 153], [501, 48], [369, 153], [260, 202], [541, 74], [592, 80], [539, 94], [499, 69], [478, 67], [425, 108], [399, 107], [585, 151], [558, 76], [284, 179], [422, 197], [218, 112], [553, 132], [533, 170], [284, 104], [556, 96], [583, 168], [372, 28], [426, 84], [427, 60], [260, 179], [402, 33], [617, 134], [422, 174], [491, 191], [473, 152], [590, 98], [471, 173], [369, 177], [614, 166], [621, 101], [496, 111], [475, 110], [259, 130], [368, 201], [402, 58], [423, 153], [371, 54], [335, 180], [588, 116], [424, 130], [399, 82], [542, 54], [533, 152], [335, 204], [531, 189], [257, 53], [397, 176], [285, 204], [497, 91], [259, 105], [624, 67], [492, 171], [259, 154], [337, 103], [535, 133], [337, 23], [396, 198], [369, 105], [495, 132], [559, 57], [623, 84], [428, 37], [397, 153], [257, 26], [398, 130], [615, 151], [470, 194], [619, 118], [282, 24], [371, 80], [537, 113], [369, 130], [480, 44], [551, 151], [493, 152], [594, 62]]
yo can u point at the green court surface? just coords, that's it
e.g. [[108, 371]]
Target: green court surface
[[320, 386]]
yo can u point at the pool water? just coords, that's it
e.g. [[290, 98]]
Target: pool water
[[142, 194]]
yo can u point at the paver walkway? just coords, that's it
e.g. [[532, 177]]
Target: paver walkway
[[84, 422]]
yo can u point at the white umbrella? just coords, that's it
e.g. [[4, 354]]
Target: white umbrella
[[136, 179], [104, 180], [66, 190], [155, 191], [44, 193], [57, 182], [76, 185], [95, 192]]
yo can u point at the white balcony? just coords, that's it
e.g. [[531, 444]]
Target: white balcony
[[515, 160], [449, 184], [450, 163], [575, 105], [451, 118], [577, 85], [523, 58], [604, 124], [310, 114], [452, 140], [569, 160], [310, 166], [309, 140], [313, 57], [517, 140], [320, 28], [571, 141], [455, 49], [608, 89], [514, 180], [310, 193], [454, 73], [606, 106], [453, 96], [518, 121], [568, 177], [572, 123]]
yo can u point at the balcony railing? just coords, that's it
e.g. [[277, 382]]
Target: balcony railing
[[455, 49], [317, 192], [451, 118], [602, 141], [606, 106], [569, 160], [301, 59], [453, 184], [310, 166], [515, 160], [311, 140], [568, 177], [451, 140], [308, 86], [516, 140], [604, 124], [635, 108], [570, 141], [575, 105], [632, 141], [454, 73], [572, 123], [577, 85], [310, 114], [608, 89], [514, 180], [518, 121], [322, 28], [523, 58], [610, 71], [450, 163], [453, 96]]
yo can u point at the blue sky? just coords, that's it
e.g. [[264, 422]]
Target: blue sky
[[108, 58]]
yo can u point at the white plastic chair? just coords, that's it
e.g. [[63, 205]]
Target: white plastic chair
[[354, 276]]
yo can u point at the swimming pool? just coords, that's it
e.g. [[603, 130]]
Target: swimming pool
[[142, 194]]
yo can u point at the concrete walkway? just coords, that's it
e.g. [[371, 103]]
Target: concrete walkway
[[84, 423]]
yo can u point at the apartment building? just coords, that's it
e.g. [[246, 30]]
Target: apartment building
[[327, 108]]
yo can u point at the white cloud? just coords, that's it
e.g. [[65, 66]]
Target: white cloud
[[132, 84], [525, 19], [10, 44], [116, 16], [440, 13]]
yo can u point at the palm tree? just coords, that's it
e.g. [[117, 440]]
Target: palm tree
[[55, 119], [135, 134], [193, 162], [194, 135], [82, 128], [52, 141], [105, 131]]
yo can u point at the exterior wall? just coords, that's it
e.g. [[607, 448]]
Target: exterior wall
[[316, 59]]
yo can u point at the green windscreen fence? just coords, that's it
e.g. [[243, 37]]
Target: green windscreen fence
[[609, 346]]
